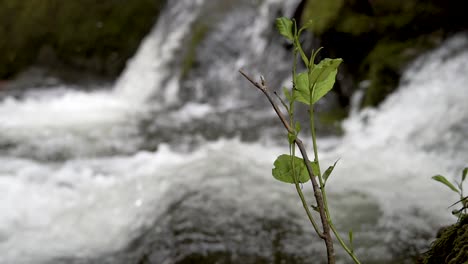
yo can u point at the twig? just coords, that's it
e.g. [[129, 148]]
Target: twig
[[282, 101], [264, 89], [461, 200], [326, 236]]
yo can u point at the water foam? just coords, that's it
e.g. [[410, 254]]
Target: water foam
[[88, 206]]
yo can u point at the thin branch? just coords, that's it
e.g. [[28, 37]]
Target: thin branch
[[326, 236], [282, 101], [264, 89]]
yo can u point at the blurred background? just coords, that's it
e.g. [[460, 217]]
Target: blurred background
[[127, 134]]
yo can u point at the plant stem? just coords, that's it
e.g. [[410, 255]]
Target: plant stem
[[342, 243], [326, 236], [292, 149], [326, 227], [317, 193], [306, 208], [314, 139], [292, 152], [322, 186]]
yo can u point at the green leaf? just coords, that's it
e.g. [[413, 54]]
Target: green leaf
[[457, 213], [350, 234], [298, 127], [304, 58], [315, 208], [465, 172], [328, 172], [291, 138], [312, 57], [320, 80], [302, 88], [307, 25], [324, 69], [323, 77], [443, 180], [302, 81], [315, 168], [285, 27], [283, 170]]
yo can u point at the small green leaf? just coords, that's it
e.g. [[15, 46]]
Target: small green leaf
[[285, 27], [465, 172], [283, 170], [291, 138], [315, 208], [350, 234], [321, 79], [459, 185], [315, 168], [323, 70], [312, 57], [457, 213], [307, 25], [443, 180], [302, 87], [298, 127], [328, 172], [304, 58]]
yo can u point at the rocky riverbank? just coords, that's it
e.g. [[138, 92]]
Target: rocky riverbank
[[90, 40], [96, 38], [378, 38]]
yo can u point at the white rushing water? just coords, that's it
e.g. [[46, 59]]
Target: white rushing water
[[62, 122], [104, 190]]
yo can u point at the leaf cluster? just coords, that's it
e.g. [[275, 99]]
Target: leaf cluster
[[308, 88], [458, 188]]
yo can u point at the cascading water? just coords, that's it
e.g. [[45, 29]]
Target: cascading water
[[81, 181]]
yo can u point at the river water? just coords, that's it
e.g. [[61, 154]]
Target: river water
[[165, 169]]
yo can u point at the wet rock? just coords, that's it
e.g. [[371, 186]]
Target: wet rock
[[377, 39], [85, 36]]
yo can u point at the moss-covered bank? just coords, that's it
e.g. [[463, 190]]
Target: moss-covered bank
[[451, 246], [378, 38], [86, 35]]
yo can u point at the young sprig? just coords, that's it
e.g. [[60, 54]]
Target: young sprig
[[458, 188], [309, 86]]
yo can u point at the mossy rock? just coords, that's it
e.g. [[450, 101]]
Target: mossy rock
[[377, 39], [199, 33], [451, 246], [323, 13], [97, 36], [386, 61]]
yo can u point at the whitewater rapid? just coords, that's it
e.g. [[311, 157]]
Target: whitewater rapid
[[77, 183]]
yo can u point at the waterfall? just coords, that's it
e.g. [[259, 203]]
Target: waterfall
[[151, 67], [111, 175]]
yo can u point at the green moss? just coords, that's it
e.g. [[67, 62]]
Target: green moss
[[378, 38], [451, 246], [92, 35], [330, 120], [384, 64], [323, 13], [354, 24], [199, 33]]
